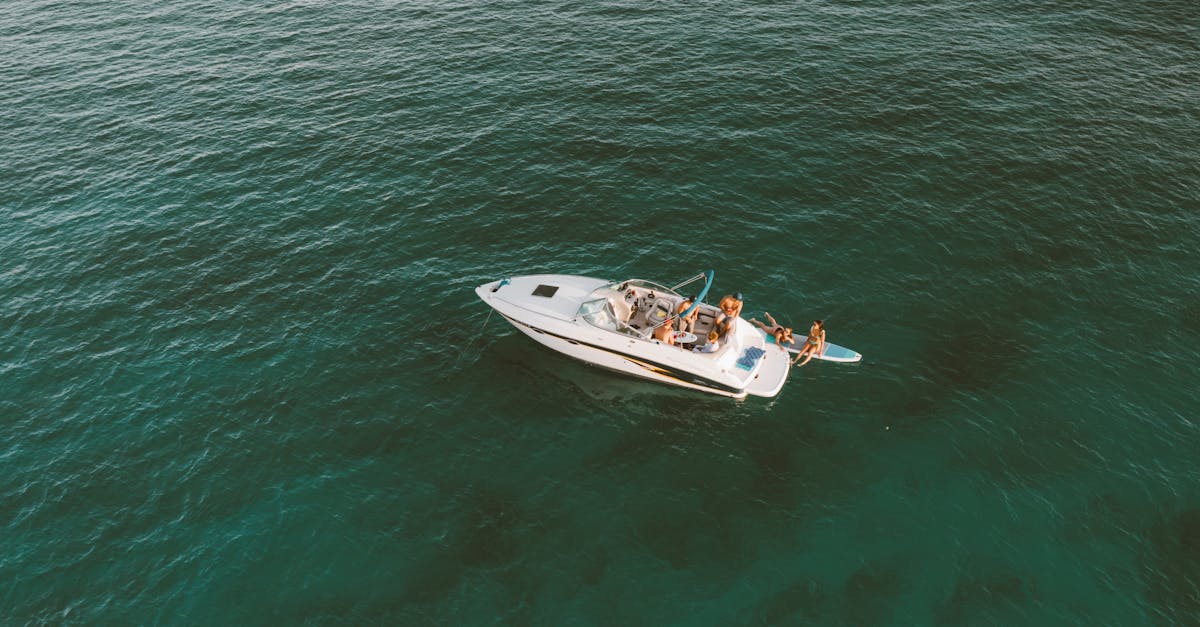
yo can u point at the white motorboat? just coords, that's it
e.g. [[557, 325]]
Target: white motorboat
[[611, 324]]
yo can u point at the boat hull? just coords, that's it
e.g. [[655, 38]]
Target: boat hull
[[623, 363]]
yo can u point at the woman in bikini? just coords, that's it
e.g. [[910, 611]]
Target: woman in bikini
[[782, 334], [815, 344]]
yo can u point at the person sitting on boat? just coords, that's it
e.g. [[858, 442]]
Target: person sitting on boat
[[687, 324], [731, 308], [665, 332], [815, 344], [713, 344], [782, 334]]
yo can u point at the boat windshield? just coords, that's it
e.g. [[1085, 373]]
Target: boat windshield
[[599, 313], [646, 285]]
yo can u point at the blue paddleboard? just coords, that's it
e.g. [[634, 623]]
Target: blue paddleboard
[[832, 352]]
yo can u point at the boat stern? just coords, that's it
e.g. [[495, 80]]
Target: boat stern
[[771, 374]]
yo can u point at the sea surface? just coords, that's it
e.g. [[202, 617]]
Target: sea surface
[[244, 378]]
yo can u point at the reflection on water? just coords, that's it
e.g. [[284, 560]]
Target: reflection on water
[[598, 383]]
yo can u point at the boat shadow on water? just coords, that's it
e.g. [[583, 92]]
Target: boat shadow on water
[[542, 367]]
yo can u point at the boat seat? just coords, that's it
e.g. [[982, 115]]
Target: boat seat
[[705, 321], [621, 308], [658, 311], [661, 311]]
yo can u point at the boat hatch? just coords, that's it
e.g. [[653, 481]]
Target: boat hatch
[[545, 290]]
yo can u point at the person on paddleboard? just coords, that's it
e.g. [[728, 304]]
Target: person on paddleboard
[[782, 334], [815, 344]]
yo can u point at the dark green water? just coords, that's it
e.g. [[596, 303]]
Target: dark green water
[[243, 378]]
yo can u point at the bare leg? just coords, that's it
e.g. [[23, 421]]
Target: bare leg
[[761, 325], [770, 319]]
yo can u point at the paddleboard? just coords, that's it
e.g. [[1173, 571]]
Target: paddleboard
[[832, 352]]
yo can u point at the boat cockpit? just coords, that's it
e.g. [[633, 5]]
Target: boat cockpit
[[637, 307]]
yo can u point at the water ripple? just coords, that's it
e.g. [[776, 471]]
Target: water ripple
[[243, 375]]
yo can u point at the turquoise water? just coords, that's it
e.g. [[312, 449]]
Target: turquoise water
[[244, 378]]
